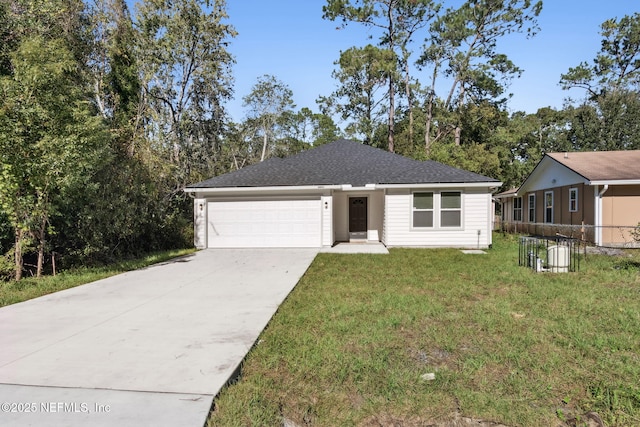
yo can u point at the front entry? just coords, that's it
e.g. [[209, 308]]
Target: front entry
[[358, 218]]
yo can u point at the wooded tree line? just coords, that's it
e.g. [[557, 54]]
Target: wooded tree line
[[107, 113]]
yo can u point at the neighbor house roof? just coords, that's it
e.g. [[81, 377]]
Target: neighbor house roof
[[342, 162], [592, 168], [602, 165], [506, 194]]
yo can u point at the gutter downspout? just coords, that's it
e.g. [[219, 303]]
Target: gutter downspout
[[598, 219]]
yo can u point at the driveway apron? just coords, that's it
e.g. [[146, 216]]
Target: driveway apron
[[149, 347]]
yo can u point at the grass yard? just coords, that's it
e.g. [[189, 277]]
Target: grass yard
[[351, 343], [13, 292]]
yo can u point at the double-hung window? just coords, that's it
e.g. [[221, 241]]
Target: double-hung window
[[573, 200], [423, 210], [437, 210], [517, 208], [450, 209], [548, 207], [532, 208]]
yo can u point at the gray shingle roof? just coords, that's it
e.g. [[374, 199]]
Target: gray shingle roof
[[342, 162]]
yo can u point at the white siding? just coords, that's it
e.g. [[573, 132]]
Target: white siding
[[340, 217], [200, 223], [476, 207], [264, 223], [376, 215], [550, 174], [327, 220]]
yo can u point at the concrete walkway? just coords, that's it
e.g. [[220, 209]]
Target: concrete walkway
[[356, 248], [148, 347]]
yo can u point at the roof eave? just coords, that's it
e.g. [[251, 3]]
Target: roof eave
[[283, 188], [524, 187], [344, 187], [615, 182], [485, 184]]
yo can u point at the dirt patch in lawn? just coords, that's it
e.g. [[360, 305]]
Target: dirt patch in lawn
[[590, 419], [458, 421]]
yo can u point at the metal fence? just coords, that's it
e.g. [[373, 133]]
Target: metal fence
[[612, 236], [557, 254]]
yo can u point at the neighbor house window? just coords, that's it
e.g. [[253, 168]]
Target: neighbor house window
[[422, 210], [573, 200], [450, 209], [548, 207], [517, 208], [532, 208]]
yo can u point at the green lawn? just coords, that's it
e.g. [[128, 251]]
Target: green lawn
[[12, 292], [351, 342]]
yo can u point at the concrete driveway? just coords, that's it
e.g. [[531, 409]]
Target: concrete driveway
[[148, 347]]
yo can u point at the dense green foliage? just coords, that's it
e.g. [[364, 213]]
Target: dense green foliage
[[96, 139], [106, 113]]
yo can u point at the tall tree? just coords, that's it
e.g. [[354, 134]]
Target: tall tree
[[412, 15], [114, 70], [463, 47], [398, 20], [521, 141], [48, 138], [186, 78], [608, 117], [306, 128], [616, 66], [7, 37], [268, 102], [362, 73]]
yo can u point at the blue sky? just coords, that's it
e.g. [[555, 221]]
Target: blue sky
[[290, 40]]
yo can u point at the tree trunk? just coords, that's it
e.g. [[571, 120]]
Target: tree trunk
[[392, 112], [407, 86], [430, 98], [427, 131], [264, 146], [392, 101], [18, 254], [458, 131], [41, 243]]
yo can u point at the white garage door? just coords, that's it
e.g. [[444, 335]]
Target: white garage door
[[264, 224]]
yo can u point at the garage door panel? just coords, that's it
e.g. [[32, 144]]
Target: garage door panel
[[264, 223]]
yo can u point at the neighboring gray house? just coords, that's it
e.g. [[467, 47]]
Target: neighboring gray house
[[340, 192]]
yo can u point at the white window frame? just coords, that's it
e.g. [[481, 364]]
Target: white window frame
[[573, 200], [432, 210], [548, 207], [438, 210], [458, 209], [531, 208], [517, 209]]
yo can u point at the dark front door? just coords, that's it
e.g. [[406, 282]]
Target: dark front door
[[357, 215]]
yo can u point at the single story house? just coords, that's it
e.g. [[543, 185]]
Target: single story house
[[594, 196], [344, 192]]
